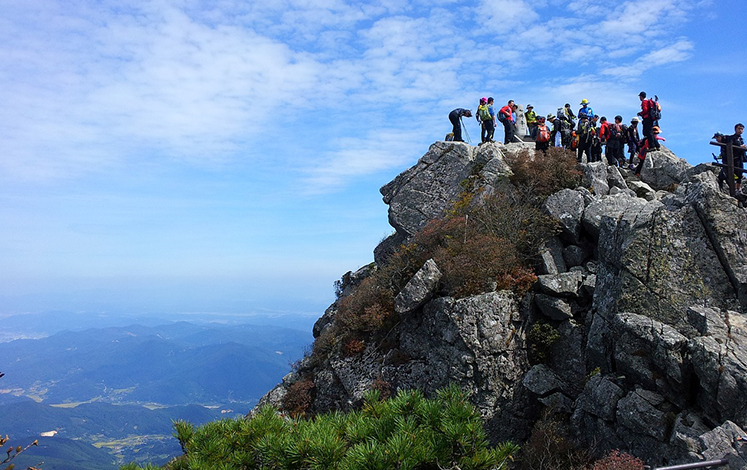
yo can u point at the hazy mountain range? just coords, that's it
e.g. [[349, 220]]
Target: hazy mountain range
[[100, 396]]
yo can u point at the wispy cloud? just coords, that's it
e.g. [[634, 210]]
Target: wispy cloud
[[676, 52], [88, 86]]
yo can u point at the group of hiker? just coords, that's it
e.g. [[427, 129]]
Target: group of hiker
[[585, 132], [590, 135]]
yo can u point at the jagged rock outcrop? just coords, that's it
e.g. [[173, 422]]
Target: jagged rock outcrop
[[645, 284]]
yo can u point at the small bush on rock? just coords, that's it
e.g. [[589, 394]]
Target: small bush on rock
[[545, 173], [617, 460], [549, 448], [298, 398], [541, 338]]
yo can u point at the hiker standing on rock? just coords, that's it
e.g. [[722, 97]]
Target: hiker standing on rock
[[596, 144], [568, 113], [483, 117], [632, 138], [543, 135], [491, 111], [505, 115], [585, 110], [615, 140], [584, 135], [565, 126], [738, 154], [604, 135], [454, 117], [648, 120], [531, 117], [556, 139]]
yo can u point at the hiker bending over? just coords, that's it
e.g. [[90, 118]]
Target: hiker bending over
[[454, 119]]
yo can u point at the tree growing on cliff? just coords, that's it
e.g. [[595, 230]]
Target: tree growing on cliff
[[405, 432]]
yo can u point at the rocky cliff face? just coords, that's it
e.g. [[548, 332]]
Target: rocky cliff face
[[646, 285]]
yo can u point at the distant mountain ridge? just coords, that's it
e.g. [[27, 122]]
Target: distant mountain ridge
[[91, 388], [174, 364]]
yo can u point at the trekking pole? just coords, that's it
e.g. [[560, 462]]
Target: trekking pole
[[464, 128]]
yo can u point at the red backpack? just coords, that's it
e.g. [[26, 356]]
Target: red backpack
[[544, 133]]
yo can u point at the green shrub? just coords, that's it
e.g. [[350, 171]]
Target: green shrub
[[541, 338], [405, 432]]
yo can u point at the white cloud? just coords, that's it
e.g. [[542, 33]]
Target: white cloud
[[676, 52], [357, 156], [176, 79], [506, 16]]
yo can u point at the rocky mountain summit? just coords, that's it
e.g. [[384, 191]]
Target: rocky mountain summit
[[641, 296]]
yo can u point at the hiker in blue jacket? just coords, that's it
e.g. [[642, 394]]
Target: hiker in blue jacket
[[585, 110]]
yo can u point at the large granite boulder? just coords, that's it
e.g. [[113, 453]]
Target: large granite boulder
[[567, 207], [427, 190], [662, 169], [419, 289]]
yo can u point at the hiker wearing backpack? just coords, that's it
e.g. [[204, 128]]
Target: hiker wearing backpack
[[595, 149], [568, 113], [604, 130], [632, 138], [645, 147], [584, 134], [565, 126], [615, 155], [650, 112], [454, 118], [483, 117], [532, 123], [505, 115], [585, 110], [555, 136], [542, 142]]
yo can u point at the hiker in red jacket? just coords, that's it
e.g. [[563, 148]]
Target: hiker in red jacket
[[648, 121], [604, 133], [645, 147], [505, 115]]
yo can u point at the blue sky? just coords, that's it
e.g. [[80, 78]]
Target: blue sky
[[189, 156]]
